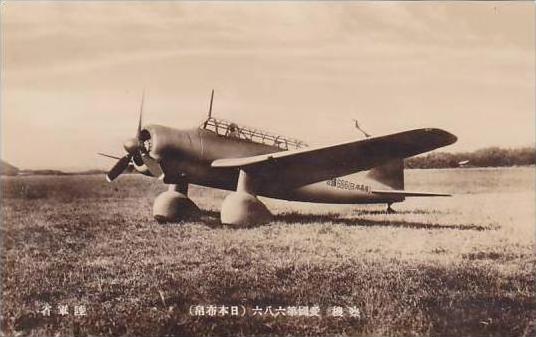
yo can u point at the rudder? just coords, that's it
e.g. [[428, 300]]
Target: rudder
[[390, 174]]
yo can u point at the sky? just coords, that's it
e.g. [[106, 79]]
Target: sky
[[73, 73]]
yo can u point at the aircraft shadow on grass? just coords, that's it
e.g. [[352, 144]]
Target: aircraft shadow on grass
[[378, 212], [212, 219]]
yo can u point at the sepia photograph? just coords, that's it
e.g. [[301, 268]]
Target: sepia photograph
[[268, 168]]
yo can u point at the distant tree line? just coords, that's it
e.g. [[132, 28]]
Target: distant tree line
[[487, 157]]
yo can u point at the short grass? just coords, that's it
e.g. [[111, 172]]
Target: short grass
[[459, 266]]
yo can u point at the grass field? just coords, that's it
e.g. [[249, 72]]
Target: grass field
[[459, 266]]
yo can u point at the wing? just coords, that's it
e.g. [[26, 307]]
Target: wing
[[291, 169]]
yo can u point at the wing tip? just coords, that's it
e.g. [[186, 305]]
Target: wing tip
[[443, 136]]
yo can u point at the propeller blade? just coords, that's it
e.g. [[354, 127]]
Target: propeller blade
[[138, 132], [118, 168], [153, 166], [108, 155]]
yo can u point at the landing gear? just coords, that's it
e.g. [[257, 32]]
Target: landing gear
[[389, 209], [174, 205], [242, 208]]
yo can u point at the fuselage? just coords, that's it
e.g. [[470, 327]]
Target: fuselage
[[186, 155]]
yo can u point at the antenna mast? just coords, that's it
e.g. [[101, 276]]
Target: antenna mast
[[210, 109], [359, 128]]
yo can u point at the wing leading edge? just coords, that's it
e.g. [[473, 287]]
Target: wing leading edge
[[291, 169]]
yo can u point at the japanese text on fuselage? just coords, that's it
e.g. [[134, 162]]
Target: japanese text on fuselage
[[347, 185]]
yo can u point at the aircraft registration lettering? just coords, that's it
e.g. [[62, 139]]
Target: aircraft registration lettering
[[347, 185]]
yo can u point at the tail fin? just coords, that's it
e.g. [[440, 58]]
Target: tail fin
[[390, 174]]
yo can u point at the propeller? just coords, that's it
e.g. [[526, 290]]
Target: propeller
[[138, 132], [108, 155], [136, 151], [118, 168]]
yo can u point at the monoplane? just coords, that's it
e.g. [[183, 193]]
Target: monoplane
[[251, 163]]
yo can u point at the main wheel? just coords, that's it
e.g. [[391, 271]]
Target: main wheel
[[171, 206], [243, 209]]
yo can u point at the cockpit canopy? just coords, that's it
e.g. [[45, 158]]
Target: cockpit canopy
[[229, 129]]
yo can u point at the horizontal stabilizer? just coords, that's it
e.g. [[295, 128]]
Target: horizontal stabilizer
[[409, 193]]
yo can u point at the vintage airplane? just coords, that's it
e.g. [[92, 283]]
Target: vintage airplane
[[252, 163]]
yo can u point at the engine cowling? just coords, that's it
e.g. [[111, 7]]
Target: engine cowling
[[161, 141]]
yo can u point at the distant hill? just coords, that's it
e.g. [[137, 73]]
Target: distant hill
[[60, 173], [43, 172], [6, 169], [487, 157]]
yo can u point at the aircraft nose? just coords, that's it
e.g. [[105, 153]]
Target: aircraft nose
[[131, 145]]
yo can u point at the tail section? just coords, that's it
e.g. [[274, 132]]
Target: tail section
[[390, 174]]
